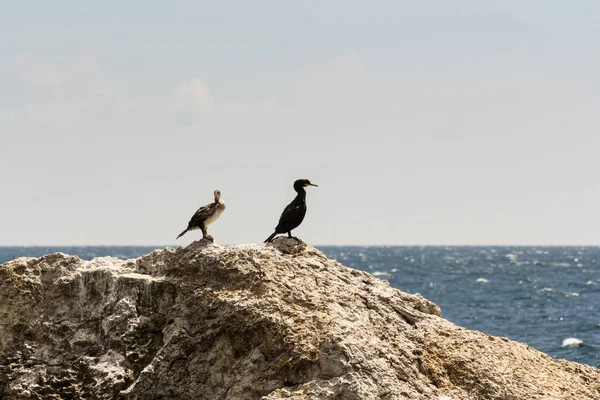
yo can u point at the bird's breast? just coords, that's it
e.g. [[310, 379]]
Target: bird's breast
[[216, 214]]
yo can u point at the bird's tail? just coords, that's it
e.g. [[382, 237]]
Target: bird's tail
[[181, 234], [270, 237]]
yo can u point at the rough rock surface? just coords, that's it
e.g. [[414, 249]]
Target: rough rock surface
[[248, 322]]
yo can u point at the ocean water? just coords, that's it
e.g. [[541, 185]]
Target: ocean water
[[547, 297]]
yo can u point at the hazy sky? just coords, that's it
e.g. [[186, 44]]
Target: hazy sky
[[464, 122]]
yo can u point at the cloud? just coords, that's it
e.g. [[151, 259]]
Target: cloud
[[62, 93], [38, 73], [194, 95]]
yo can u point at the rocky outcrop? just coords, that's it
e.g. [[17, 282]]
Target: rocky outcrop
[[249, 322]]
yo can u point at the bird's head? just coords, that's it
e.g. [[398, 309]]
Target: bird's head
[[217, 195], [302, 183]]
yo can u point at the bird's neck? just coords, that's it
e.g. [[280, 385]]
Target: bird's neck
[[301, 196]]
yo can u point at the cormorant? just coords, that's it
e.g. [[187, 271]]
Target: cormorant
[[294, 213], [205, 216]]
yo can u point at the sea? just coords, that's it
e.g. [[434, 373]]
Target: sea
[[547, 297]]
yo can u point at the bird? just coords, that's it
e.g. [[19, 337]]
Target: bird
[[205, 216], [294, 213]]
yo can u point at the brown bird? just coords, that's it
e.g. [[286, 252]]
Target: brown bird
[[205, 216]]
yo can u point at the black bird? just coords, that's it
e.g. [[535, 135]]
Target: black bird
[[294, 213], [205, 216]]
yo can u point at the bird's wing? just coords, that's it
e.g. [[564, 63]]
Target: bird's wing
[[291, 216], [290, 209], [200, 215]]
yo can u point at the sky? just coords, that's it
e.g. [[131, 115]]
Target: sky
[[463, 122]]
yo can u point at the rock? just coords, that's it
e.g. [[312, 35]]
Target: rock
[[247, 322]]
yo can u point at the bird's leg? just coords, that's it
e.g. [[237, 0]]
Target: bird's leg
[[292, 237], [205, 234]]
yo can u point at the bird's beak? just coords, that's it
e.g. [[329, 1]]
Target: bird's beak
[[311, 184]]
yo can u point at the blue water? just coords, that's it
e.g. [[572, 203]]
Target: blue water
[[536, 295]]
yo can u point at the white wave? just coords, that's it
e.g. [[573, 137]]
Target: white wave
[[560, 264], [550, 290], [379, 273], [571, 342], [481, 280]]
